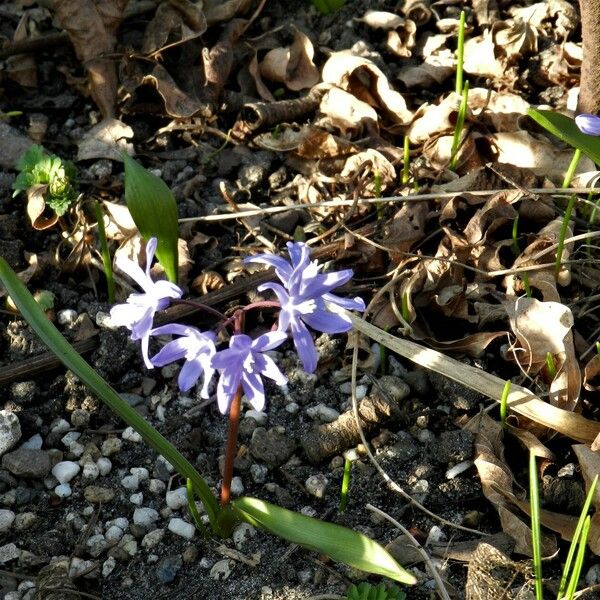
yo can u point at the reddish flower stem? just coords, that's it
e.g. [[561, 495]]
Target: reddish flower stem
[[230, 451], [208, 309]]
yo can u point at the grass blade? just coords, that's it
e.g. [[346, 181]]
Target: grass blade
[[534, 502]]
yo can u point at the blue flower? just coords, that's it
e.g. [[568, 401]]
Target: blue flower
[[137, 313], [196, 347], [243, 363], [589, 124], [306, 299]]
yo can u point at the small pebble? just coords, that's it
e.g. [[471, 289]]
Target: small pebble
[[258, 415], [237, 487], [221, 570], [9, 552], [96, 494], [59, 426], [80, 418], [292, 408], [129, 544], [130, 482], [7, 518], [79, 567], [96, 544], [140, 472], [168, 567], [111, 446], [131, 435], [90, 471], [113, 535], [176, 499], [316, 485], [10, 430], [258, 473], [425, 436], [63, 490], [182, 528], [459, 468], [33, 443], [156, 486], [153, 538], [104, 466], [242, 533], [108, 566], [65, 471], [67, 316], [137, 499], [145, 516], [323, 413]]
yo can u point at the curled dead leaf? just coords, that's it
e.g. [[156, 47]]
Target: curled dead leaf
[[375, 162], [346, 112], [40, 215], [209, 281], [293, 66], [590, 373]]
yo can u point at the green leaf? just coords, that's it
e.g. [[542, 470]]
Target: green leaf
[[48, 333], [340, 543], [565, 129], [154, 211]]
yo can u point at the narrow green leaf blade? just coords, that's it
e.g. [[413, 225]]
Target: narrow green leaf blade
[[566, 130], [55, 341], [340, 543], [154, 211]]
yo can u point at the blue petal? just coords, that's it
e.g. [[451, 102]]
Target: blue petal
[[305, 346], [282, 266], [588, 124], [327, 322], [254, 389], [268, 341], [189, 375], [324, 283], [347, 303], [229, 382], [172, 328], [269, 369], [299, 254], [144, 344], [278, 289], [171, 352], [150, 251]]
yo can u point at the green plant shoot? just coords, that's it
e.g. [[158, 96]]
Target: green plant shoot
[[366, 591], [345, 485], [551, 366], [37, 167], [504, 403], [536, 536], [458, 128], [106, 261], [327, 7], [406, 161], [460, 53], [154, 211], [578, 538]]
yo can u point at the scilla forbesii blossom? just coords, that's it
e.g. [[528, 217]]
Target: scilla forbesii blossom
[[306, 299], [196, 347], [137, 313], [588, 124], [243, 363]]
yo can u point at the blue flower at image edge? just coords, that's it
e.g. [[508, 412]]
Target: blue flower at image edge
[[588, 124], [306, 299], [137, 313]]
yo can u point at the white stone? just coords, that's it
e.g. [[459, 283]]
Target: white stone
[[33, 443], [131, 435], [7, 518], [242, 533], [63, 490], [177, 499], [10, 430], [104, 466], [108, 566], [120, 522], [137, 499], [156, 486], [96, 545], [258, 415], [323, 413], [292, 408], [9, 552], [12, 595], [221, 570], [60, 426], [130, 482], [90, 471], [153, 538], [145, 516], [316, 485], [140, 472], [70, 438], [76, 449], [183, 528], [65, 470], [129, 544], [113, 535], [110, 446], [67, 316], [79, 567], [258, 473], [237, 486]]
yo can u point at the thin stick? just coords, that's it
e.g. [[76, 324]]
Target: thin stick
[[430, 566]]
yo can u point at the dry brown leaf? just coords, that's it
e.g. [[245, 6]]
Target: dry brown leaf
[[118, 222], [317, 143], [480, 57], [293, 66], [472, 345], [22, 68], [433, 119], [406, 228], [286, 139], [562, 13], [106, 140], [217, 11], [380, 19], [590, 373], [376, 163], [434, 70], [362, 78], [501, 110], [92, 28], [515, 38], [418, 11], [520, 399], [495, 475], [181, 21], [540, 327], [263, 91], [401, 41], [522, 149], [347, 113], [41, 216]]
